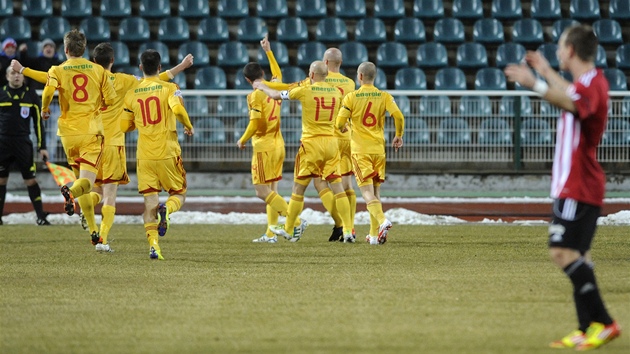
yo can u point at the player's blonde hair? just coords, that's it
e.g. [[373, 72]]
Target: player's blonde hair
[[75, 43]]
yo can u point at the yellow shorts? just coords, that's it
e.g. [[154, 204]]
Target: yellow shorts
[[318, 157], [345, 158], [369, 168], [267, 166], [157, 175], [83, 152], [113, 166]]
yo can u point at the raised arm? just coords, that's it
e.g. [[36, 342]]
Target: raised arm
[[274, 94], [39, 76], [186, 63]]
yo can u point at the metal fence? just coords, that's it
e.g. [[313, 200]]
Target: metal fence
[[446, 131]]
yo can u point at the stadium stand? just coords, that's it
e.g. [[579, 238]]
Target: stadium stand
[[292, 74], [37, 8], [467, 9], [291, 130], [353, 53], [373, 30], [17, 27], [213, 30], [96, 29], [134, 29], [434, 106], [506, 106], [535, 131], [449, 30], [432, 55], [350, 9], [507, 9], [232, 54], [196, 106], [193, 9], [600, 59], [309, 52], [548, 50], [251, 30], [546, 10], [453, 131], [559, 26], [240, 83], [160, 47], [210, 131], [121, 54], [616, 79], [608, 31], [391, 55], [272, 9], [173, 30], [408, 30], [617, 132], [233, 8], [410, 79], [54, 28], [450, 79], [232, 106], [619, 10], [6, 8], [308, 9], [528, 31], [180, 80], [472, 55], [331, 30], [210, 78], [488, 31], [622, 57], [428, 9], [389, 9], [198, 50], [509, 53], [76, 9], [490, 79], [117, 9], [155, 9], [380, 81], [292, 30], [475, 106], [417, 131], [280, 52], [494, 131], [584, 10]]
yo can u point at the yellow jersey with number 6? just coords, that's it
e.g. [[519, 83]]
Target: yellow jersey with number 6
[[82, 86]]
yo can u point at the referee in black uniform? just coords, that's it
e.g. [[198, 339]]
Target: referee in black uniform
[[19, 106]]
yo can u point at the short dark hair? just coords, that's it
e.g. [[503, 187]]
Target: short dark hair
[[253, 71], [75, 42], [583, 40], [150, 61], [103, 54]]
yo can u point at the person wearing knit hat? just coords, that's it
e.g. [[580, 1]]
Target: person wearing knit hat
[[9, 49], [46, 59]]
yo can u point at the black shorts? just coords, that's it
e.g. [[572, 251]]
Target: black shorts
[[573, 224], [18, 151]]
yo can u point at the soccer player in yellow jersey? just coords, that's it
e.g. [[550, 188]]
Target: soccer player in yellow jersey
[[114, 165], [269, 153], [365, 109], [152, 108], [318, 155], [83, 89]]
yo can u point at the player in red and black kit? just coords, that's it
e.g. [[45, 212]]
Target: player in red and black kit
[[578, 181], [20, 107]]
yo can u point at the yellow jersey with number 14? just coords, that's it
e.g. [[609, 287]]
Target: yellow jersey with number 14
[[82, 86], [149, 106], [320, 104]]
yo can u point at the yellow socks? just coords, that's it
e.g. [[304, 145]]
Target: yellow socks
[[108, 213], [343, 207], [296, 204], [376, 209], [328, 200], [352, 199], [80, 187], [173, 204], [152, 235], [272, 219], [278, 204], [374, 225], [96, 198], [87, 209]]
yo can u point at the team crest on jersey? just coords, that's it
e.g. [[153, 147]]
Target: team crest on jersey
[[25, 112], [178, 93]]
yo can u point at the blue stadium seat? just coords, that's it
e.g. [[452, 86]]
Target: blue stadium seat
[[6, 8], [409, 30], [272, 9], [353, 54], [432, 55], [233, 8], [180, 80], [381, 79], [403, 104], [75, 9], [292, 74], [549, 50], [291, 128], [488, 31], [195, 9], [115, 8], [410, 79], [475, 106], [528, 31], [535, 131], [251, 29], [16, 27], [134, 29], [625, 107], [608, 31], [506, 107], [416, 131], [622, 57], [600, 59], [490, 79], [350, 8], [472, 55], [559, 26], [209, 131], [292, 30], [310, 9], [280, 52], [428, 9], [160, 47], [467, 9], [240, 126], [507, 10], [617, 132], [370, 30], [210, 78], [309, 52], [584, 10], [37, 8], [509, 53], [198, 50], [435, 106], [331, 30], [453, 131], [232, 106], [391, 55], [33, 48], [619, 10], [240, 83], [389, 9], [196, 106], [54, 28], [616, 79], [131, 70], [495, 131], [173, 30], [450, 79], [96, 29], [232, 54], [213, 30], [121, 54], [155, 9], [448, 30], [546, 10], [547, 110]]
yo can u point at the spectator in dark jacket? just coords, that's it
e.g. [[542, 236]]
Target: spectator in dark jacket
[[47, 58]]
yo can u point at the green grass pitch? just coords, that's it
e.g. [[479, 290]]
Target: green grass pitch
[[431, 289]]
